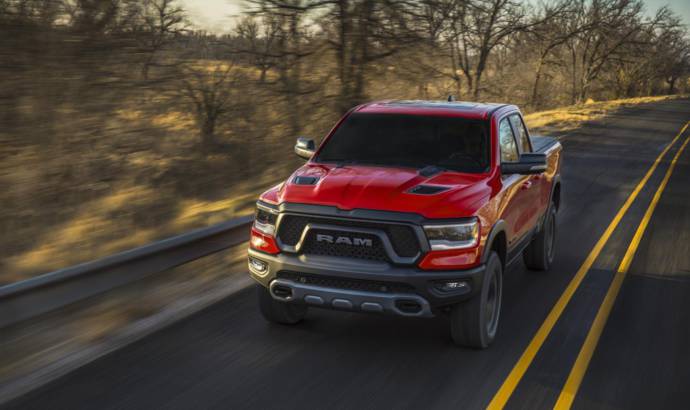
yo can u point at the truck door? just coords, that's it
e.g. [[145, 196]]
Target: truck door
[[516, 200], [536, 185]]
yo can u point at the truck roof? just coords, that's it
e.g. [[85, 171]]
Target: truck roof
[[463, 109]]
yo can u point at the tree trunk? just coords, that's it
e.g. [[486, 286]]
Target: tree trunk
[[145, 71], [477, 82], [573, 78], [342, 51], [470, 83], [208, 129], [583, 89], [362, 53], [535, 88], [294, 80], [672, 85], [423, 91], [458, 86], [454, 66], [478, 75]]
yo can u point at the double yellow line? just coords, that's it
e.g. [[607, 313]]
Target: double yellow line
[[565, 400], [582, 361]]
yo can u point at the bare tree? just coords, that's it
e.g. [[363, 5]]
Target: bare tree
[[258, 39], [671, 49], [432, 19], [91, 16], [214, 90], [362, 32], [613, 25], [558, 23], [160, 22], [479, 27], [286, 45]]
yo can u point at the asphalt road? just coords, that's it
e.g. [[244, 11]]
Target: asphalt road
[[227, 356]]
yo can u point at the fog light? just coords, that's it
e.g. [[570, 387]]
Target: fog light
[[453, 286], [258, 266]]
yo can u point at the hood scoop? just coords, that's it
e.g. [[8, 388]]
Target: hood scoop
[[305, 180], [427, 189]]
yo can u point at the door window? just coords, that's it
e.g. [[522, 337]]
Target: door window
[[509, 151]]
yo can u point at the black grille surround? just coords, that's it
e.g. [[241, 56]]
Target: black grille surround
[[402, 237]]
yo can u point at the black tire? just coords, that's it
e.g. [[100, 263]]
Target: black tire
[[474, 323], [279, 312], [539, 254]]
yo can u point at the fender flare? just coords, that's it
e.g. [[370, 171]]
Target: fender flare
[[499, 226], [556, 181]]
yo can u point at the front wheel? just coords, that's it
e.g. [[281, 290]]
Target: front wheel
[[539, 254], [474, 322], [279, 312]]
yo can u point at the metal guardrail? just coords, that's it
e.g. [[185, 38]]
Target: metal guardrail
[[29, 298]]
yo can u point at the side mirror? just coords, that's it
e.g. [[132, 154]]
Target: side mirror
[[529, 163], [305, 147]]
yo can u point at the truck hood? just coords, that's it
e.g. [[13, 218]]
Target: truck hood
[[384, 188]]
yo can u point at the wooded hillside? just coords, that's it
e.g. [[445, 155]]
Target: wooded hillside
[[121, 123]]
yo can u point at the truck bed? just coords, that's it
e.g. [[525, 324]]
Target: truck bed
[[541, 144]]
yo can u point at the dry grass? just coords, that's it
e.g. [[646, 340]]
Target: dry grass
[[568, 118], [92, 234], [120, 179]]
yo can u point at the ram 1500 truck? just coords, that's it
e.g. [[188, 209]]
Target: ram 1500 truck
[[409, 208]]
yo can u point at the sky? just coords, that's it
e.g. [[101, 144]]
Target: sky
[[213, 15], [680, 7], [216, 15]]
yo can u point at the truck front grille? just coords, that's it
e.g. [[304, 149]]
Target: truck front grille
[[402, 238], [375, 252]]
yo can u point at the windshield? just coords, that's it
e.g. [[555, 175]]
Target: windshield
[[455, 144]]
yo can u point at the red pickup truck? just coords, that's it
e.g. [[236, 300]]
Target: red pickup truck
[[410, 208]]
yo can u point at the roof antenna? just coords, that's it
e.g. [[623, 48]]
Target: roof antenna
[[451, 98]]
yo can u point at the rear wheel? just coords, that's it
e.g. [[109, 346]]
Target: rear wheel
[[474, 322], [539, 254], [279, 312]]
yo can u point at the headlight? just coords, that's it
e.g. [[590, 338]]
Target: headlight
[[265, 221], [453, 236]]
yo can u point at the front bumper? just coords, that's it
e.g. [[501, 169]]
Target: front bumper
[[401, 304], [356, 285]]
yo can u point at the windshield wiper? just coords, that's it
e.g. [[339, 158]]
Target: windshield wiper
[[424, 169], [342, 162]]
